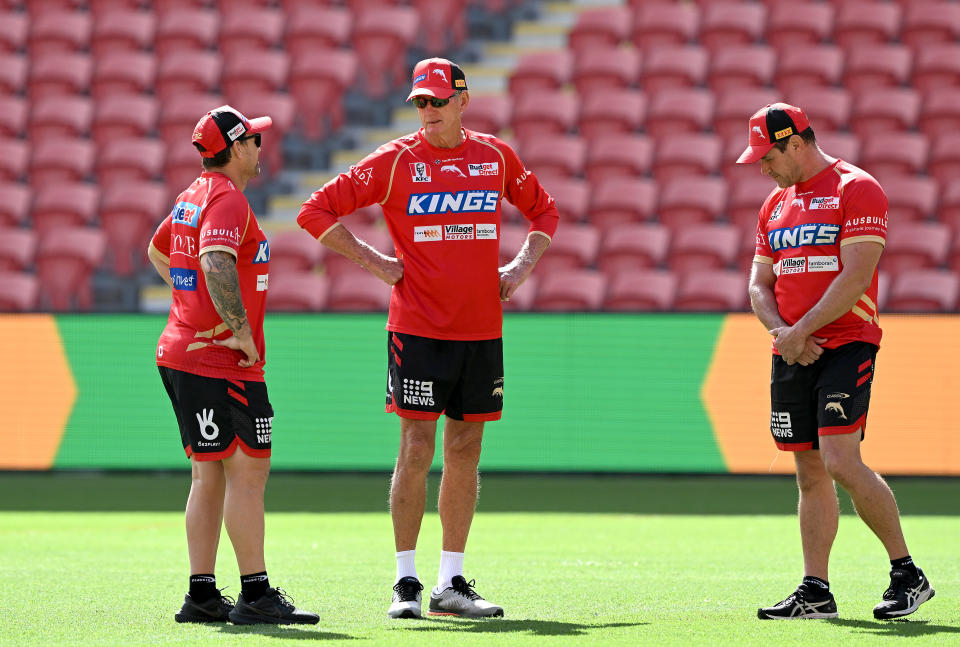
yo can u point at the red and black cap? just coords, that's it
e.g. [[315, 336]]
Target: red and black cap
[[437, 77], [222, 126], [771, 124]]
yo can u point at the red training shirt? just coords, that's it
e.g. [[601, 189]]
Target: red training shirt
[[211, 215], [801, 231], [442, 207]]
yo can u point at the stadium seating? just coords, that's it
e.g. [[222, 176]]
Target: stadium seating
[[358, 292], [842, 145], [336, 265], [730, 24], [14, 111], [15, 201], [570, 290], [316, 28], [690, 200], [523, 297], [18, 292], [124, 116], [927, 23], [66, 259], [944, 160], [623, 199], [940, 112], [58, 73], [827, 108], [296, 291], [611, 111], [872, 66], [541, 72], [913, 246], [704, 247], [949, 207], [674, 67], [13, 31], [14, 161], [747, 195], [123, 73], [544, 113], [660, 25], [572, 196], [899, 153], [120, 31], [798, 24], [66, 160], [247, 29], [512, 237], [132, 159], [443, 23], [612, 155], [18, 247], [380, 37], [740, 67], [936, 66], [185, 29], [595, 70], [58, 31], [178, 117], [686, 154], [13, 73], [59, 118], [574, 247], [488, 113], [600, 29], [282, 110], [712, 290], [641, 290], [812, 65], [317, 82], [181, 165], [249, 72], [882, 110], [186, 73], [734, 108], [129, 214], [675, 111], [924, 291], [294, 251], [559, 155], [63, 205], [866, 23], [633, 247], [911, 197]]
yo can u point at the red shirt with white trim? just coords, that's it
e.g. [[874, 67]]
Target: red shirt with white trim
[[211, 215], [442, 208], [801, 231]]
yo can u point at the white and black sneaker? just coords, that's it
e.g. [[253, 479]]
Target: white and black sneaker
[[801, 604], [904, 595], [406, 598], [459, 599]]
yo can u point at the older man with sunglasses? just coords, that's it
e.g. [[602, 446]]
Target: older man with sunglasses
[[440, 190]]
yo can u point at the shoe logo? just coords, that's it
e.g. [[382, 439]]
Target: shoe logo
[[206, 420], [837, 408], [838, 396]]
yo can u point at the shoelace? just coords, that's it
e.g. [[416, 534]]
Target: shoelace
[[899, 583], [226, 598], [407, 591], [465, 588], [283, 599]]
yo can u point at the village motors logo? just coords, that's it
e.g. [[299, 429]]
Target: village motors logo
[[458, 232]]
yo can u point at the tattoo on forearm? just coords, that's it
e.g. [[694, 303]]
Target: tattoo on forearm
[[223, 284]]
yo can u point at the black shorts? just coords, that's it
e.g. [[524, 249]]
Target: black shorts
[[216, 415], [427, 377], [830, 396]]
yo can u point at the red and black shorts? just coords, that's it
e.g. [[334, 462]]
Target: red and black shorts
[[216, 415], [830, 396], [427, 377]]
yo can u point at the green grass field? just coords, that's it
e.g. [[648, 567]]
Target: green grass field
[[93, 559]]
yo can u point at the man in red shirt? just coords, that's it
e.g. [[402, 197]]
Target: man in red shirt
[[213, 254], [814, 286], [440, 190]]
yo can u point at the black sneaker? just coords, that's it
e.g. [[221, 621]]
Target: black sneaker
[[216, 609], [275, 608], [801, 604], [406, 599], [459, 599], [904, 595]]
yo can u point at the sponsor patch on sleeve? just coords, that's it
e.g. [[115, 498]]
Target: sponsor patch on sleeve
[[262, 281]]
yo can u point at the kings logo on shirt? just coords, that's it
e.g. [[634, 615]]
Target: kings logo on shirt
[[423, 204]]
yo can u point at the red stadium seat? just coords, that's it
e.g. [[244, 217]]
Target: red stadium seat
[[736, 106], [747, 195], [926, 23], [924, 291], [255, 71], [876, 66], [911, 197], [294, 251], [13, 31], [827, 108], [560, 155], [129, 159], [741, 67], [18, 292], [815, 65], [316, 28], [544, 113], [487, 113], [296, 291], [571, 290], [122, 31], [523, 297], [798, 24], [13, 162], [245, 29], [883, 290], [59, 31], [317, 83], [660, 25], [377, 237], [57, 161], [610, 111], [679, 110], [949, 211], [712, 290], [842, 145], [57, 74], [915, 246], [163, 7], [124, 116], [613, 155], [641, 290], [936, 66], [13, 73], [895, 153], [358, 292], [66, 259], [704, 247], [189, 72], [380, 37], [14, 111], [861, 23], [181, 165], [102, 7], [729, 24], [123, 73], [633, 247], [619, 200], [541, 72], [596, 70], [443, 23], [186, 30], [129, 222], [179, 116], [884, 110], [58, 118], [572, 196], [17, 248], [573, 247], [600, 29], [691, 200], [63, 205], [674, 67], [687, 154], [748, 248], [14, 204], [944, 161], [940, 112]]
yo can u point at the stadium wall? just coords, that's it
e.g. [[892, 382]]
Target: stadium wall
[[583, 392]]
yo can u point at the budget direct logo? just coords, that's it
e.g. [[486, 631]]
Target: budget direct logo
[[183, 279], [831, 202], [487, 168], [423, 204], [426, 234], [458, 232], [186, 213]]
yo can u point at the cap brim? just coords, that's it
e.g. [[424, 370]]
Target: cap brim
[[260, 124], [753, 153], [440, 93]]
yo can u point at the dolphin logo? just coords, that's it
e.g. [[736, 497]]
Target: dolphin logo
[[798, 201], [443, 75], [836, 408], [452, 168], [759, 132]]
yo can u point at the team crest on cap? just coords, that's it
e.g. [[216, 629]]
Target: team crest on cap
[[443, 75]]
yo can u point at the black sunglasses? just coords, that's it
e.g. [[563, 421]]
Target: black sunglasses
[[255, 137], [421, 102]]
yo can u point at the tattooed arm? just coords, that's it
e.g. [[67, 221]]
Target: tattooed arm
[[223, 284]]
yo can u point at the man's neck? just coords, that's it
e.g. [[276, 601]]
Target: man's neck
[[450, 140]]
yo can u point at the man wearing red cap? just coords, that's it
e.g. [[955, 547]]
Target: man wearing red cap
[[814, 287], [213, 254], [440, 190]]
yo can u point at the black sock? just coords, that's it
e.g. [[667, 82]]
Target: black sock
[[815, 585], [203, 586], [254, 586], [905, 563]]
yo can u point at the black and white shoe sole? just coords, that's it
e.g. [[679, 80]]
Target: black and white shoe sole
[[893, 615]]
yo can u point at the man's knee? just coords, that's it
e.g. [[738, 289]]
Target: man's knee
[[417, 446]]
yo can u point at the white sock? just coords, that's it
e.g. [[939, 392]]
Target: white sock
[[405, 564], [451, 564]]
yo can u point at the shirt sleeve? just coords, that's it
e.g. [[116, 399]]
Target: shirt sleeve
[[224, 223], [161, 238], [864, 213], [525, 192]]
